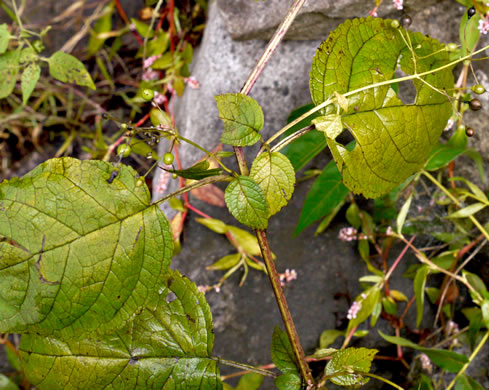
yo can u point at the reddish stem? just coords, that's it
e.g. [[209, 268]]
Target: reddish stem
[[124, 17], [450, 173]]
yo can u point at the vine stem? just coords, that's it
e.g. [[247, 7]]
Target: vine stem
[[471, 358], [455, 200], [282, 304], [243, 366], [261, 234]]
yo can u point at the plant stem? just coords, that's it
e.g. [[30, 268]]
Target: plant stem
[[455, 200], [382, 379], [284, 308], [291, 138], [246, 367], [197, 184], [471, 358]]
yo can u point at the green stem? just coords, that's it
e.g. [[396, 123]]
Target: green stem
[[367, 87], [197, 184], [244, 367], [484, 232], [284, 308], [471, 358], [291, 138], [8, 11], [382, 379]]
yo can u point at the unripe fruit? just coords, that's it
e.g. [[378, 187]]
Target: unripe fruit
[[124, 126], [451, 47], [168, 158], [148, 94], [475, 105], [124, 150], [395, 24], [478, 89], [469, 131], [174, 175]]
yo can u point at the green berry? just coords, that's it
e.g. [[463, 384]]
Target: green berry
[[124, 126], [395, 24], [478, 89], [148, 94], [174, 175], [124, 150], [451, 47], [168, 158]]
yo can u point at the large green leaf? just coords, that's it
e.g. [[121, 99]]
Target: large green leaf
[[346, 366], [68, 69], [326, 193], [246, 201], [81, 254], [166, 346], [393, 140], [9, 67], [242, 117], [275, 175], [282, 353]]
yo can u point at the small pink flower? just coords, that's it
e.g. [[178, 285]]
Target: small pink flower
[[150, 61], [163, 179], [389, 231], [192, 82], [426, 363], [373, 12], [288, 276], [150, 74], [203, 289], [348, 234], [159, 99], [398, 4], [217, 289], [484, 24], [353, 310]]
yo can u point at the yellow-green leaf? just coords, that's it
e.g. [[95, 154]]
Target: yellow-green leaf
[[9, 67], [68, 69], [346, 366], [329, 124], [4, 38], [276, 176], [28, 80]]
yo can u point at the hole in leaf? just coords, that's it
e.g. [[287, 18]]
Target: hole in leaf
[[345, 137], [171, 297], [405, 90]]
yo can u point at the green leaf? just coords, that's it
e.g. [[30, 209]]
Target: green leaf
[[250, 381], [288, 382], [469, 32], [444, 153], [275, 175], [167, 344], [476, 282], [330, 125], [478, 193], [142, 28], [158, 45], [103, 25], [467, 211], [329, 336], [7, 384], [346, 366], [282, 352], [4, 38], [215, 225], [28, 80], [449, 360], [485, 312], [68, 69], [9, 67], [393, 140], [353, 216], [85, 253], [197, 172], [305, 148], [465, 382], [325, 194], [225, 262], [247, 241], [368, 301], [242, 117], [247, 203], [419, 285]]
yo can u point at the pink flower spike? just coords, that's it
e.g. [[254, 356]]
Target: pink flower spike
[[150, 61], [398, 4], [192, 82], [484, 25], [159, 98], [348, 234], [353, 310]]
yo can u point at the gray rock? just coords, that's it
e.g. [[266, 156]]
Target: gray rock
[[246, 19]]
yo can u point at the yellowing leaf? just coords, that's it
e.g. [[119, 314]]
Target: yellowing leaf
[[275, 175], [393, 140], [9, 67], [330, 125], [28, 80], [242, 117], [68, 69]]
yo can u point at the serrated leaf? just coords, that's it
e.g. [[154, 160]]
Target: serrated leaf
[[87, 253], [225, 262], [393, 140], [305, 148], [68, 69], [449, 360], [330, 125], [242, 117], [166, 345], [354, 360], [467, 211], [28, 80], [419, 285], [102, 25], [197, 172], [4, 38], [282, 352], [325, 194], [9, 67], [288, 382], [275, 175], [250, 381], [247, 203]]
